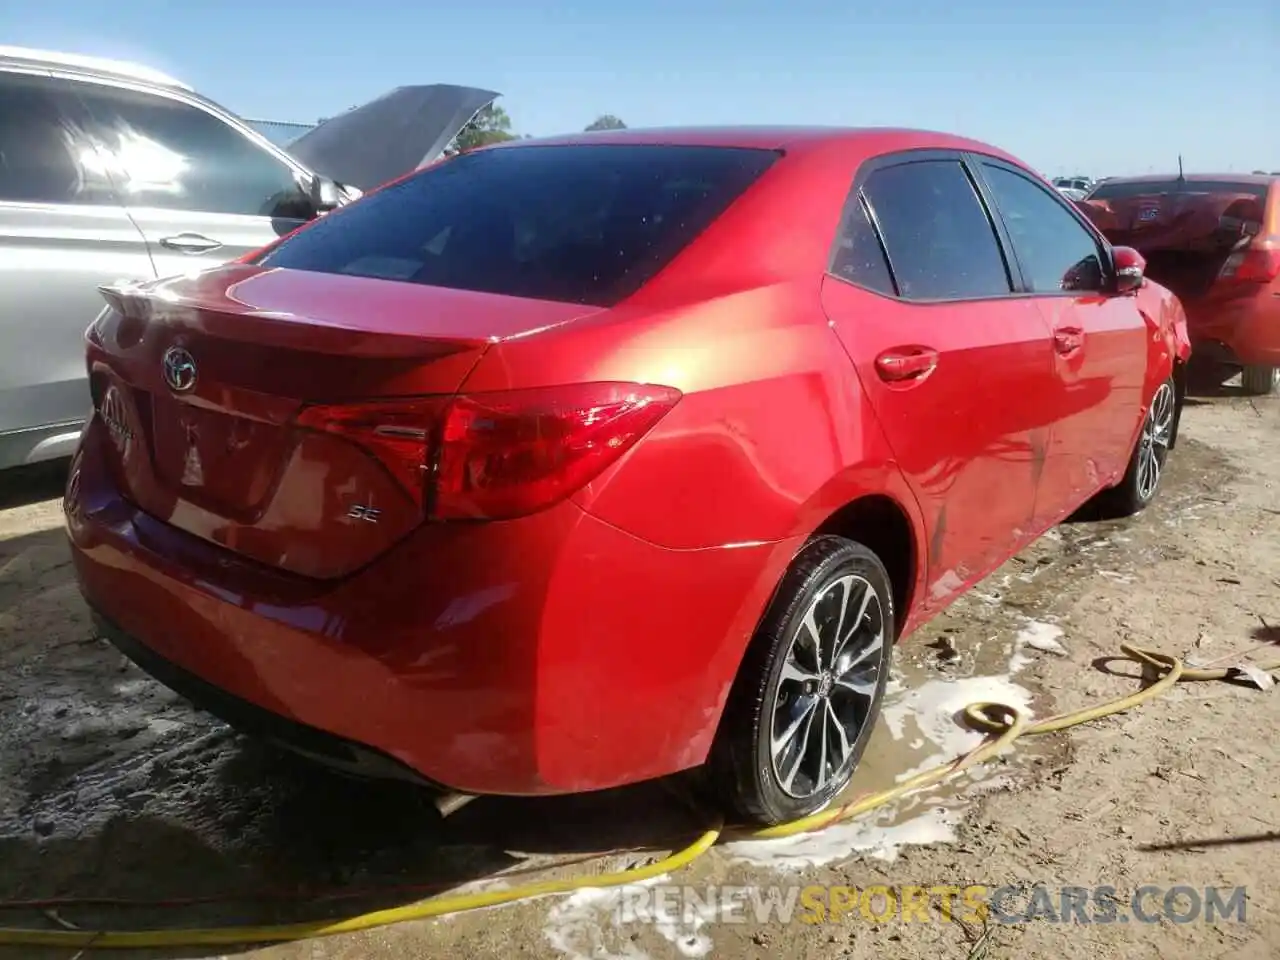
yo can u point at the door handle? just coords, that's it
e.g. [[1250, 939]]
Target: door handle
[[906, 363], [190, 243], [1068, 339]]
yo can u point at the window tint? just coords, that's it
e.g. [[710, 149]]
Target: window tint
[[859, 257], [1056, 253], [575, 223], [44, 156], [940, 241], [163, 153]]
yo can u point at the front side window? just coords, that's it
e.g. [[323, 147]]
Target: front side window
[[1056, 253], [940, 241], [575, 223], [172, 155], [45, 156]]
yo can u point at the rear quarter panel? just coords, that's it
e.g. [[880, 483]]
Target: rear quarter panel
[[699, 521], [770, 419], [1168, 345], [773, 433], [1168, 342]]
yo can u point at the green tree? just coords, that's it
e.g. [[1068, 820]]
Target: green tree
[[490, 125], [606, 122]]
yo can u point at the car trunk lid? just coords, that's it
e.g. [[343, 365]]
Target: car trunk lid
[[202, 383]]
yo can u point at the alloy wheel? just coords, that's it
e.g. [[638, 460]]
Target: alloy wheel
[[828, 687], [1153, 446]]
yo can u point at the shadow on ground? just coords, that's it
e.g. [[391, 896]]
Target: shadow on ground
[[21, 486], [112, 786]]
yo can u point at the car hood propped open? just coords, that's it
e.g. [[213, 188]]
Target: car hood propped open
[[393, 135]]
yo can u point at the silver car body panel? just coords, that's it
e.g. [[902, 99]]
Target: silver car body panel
[[54, 256]]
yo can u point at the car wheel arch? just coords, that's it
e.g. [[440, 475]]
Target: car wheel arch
[[883, 525]]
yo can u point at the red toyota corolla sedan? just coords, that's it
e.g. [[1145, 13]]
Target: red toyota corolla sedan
[[571, 463]]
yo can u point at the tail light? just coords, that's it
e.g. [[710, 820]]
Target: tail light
[[491, 456], [396, 432], [1256, 262]]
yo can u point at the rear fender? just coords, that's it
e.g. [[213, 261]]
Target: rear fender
[[1168, 347]]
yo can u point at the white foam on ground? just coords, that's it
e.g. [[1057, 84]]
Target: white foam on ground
[[929, 712], [934, 708], [871, 837], [1035, 635], [1045, 637], [583, 926]]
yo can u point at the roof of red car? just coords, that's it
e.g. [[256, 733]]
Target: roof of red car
[[769, 138]]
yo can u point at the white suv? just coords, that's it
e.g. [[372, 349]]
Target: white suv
[[113, 171]]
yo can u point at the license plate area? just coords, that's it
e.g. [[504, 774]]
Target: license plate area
[[221, 461]]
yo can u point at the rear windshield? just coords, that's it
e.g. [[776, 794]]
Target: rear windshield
[[1147, 188], [577, 223]]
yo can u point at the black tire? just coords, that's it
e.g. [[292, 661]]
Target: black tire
[[1259, 381], [845, 690], [1139, 487], [1206, 374]]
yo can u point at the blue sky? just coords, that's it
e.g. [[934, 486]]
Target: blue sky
[[1090, 86]]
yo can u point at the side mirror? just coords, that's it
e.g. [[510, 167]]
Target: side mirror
[[325, 194], [1130, 268]]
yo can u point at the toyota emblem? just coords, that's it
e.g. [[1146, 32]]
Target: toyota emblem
[[179, 369]]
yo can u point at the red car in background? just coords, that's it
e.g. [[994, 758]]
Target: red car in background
[[570, 463], [1214, 240]]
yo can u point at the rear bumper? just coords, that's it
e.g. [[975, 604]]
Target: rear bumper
[[552, 654], [1240, 329], [318, 745]]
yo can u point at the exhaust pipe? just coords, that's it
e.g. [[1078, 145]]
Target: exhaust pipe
[[448, 803]]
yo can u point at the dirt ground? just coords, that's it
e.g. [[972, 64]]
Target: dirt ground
[[111, 787]]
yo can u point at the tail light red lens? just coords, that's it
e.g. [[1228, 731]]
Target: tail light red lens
[[492, 456], [1259, 262], [396, 432]]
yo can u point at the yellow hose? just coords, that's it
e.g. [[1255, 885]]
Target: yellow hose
[[1003, 724]]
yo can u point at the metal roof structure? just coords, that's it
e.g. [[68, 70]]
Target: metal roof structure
[[102, 66]]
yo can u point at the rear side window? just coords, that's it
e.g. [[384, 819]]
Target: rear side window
[[44, 155], [941, 243], [859, 258], [575, 223], [1055, 252], [1122, 190]]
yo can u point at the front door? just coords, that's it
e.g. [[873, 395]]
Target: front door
[[952, 364], [1100, 339]]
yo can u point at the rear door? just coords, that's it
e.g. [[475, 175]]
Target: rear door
[[62, 233], [954, 364], [201, 188], [1099, 338]]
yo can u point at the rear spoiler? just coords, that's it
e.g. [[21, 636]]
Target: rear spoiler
[[205, 304]]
